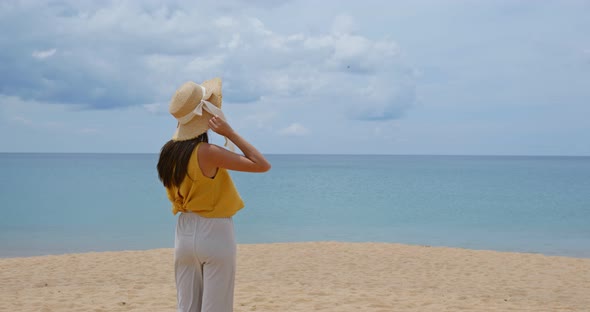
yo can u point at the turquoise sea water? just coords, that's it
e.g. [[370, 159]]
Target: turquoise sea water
[[62, 203]]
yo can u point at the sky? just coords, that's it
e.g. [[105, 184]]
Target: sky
[[300, 77]]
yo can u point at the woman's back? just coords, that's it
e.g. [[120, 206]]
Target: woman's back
[[211, 196]]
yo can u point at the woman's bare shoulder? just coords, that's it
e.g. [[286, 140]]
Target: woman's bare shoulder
[[208, 148]]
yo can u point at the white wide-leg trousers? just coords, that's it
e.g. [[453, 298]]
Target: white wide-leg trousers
[[204, 263]]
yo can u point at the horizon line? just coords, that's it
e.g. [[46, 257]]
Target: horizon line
[[314, 154]]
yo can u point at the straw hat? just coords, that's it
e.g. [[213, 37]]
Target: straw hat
[[193, 105]]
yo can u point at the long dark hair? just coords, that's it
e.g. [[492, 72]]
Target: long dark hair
[[174, 157]]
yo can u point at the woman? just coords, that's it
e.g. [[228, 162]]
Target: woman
[[197, 183]]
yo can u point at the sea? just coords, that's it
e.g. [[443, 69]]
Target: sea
[[75, 203]]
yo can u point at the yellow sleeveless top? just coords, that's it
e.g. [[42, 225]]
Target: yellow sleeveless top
[[209, 197]]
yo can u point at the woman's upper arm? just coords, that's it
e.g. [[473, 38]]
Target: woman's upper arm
[[220, 157]]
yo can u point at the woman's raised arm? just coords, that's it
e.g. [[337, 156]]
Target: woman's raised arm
[[215, 156]]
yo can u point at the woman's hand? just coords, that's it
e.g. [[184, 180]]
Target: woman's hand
[[219, 126]]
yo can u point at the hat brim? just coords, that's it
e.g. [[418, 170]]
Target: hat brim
[[200, 124]]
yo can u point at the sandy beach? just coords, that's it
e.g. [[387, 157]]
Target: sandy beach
[[318, 276]]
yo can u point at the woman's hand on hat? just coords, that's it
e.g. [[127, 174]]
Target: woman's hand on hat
[[220, 126]]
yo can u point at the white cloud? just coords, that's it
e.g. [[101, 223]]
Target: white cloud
[[295, 129], [224, 21], [136, 54], [44, 54], [111, 45], [233, 43]]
